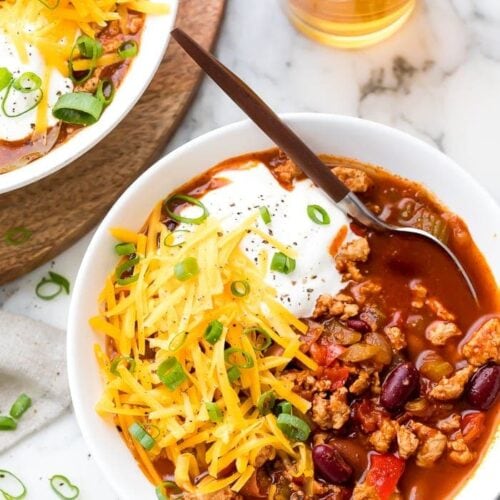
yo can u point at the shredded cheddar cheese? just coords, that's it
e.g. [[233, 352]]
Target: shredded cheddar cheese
[[52, 26], [144, 320]]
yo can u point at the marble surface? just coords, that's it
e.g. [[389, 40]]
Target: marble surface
[[438, 79]]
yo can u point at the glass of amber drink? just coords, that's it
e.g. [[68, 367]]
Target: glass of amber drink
[[349, 23]]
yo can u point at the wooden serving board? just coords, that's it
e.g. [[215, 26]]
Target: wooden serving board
[[61, 208]]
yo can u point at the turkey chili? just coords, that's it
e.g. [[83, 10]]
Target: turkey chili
[[391, 389]]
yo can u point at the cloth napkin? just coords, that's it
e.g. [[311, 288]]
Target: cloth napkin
[[32, 361]]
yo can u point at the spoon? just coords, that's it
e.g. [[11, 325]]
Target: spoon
[[269, 122]]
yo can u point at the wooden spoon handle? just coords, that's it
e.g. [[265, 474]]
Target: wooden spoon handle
[[263, 116]]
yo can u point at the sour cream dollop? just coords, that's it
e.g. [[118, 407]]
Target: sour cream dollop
[[21, 127], [315, 272]]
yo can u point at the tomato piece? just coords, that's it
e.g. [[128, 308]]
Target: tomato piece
[[384, 473], [318, 353], [333, 351], [367, 415], [472, 426], [325, 355], [337, 375]]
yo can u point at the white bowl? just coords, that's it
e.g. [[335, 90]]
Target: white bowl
[[339, 135], [154, 41]]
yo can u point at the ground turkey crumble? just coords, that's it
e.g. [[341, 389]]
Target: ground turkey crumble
[[348, 255], [396, 336], [382, 438], [341, 305], [484, 345], [407, 442], [439, 332], [439, 309], [364, 491], [458, 451], [354, 178], [452, 388], [330, 412], [432, 444]]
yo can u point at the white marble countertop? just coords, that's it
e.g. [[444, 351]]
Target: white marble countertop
[[438, 79]]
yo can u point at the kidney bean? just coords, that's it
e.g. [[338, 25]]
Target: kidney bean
[[359, 325], [399, 386], [484, 387], [330, 464]]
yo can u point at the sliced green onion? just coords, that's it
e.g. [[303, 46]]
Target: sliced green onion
[[27, 82], [7, 423], [47, 284], [266, 402], [17, 235], [143, 437], [11, 487], [285, 407], [162, 489], [88, 48], [233, 373], [125, 267], [20, 406], [293, 427], [128, 280], [43, 294], [213, 331], [105, 91], [32, 103], [171, 373], [60, 280], [186, 269], [63, 487], [188, 199], [161, 493], [125, 248], [234, 352], [113, 367], [214, 412], [318, 215], [171, 485], [171, 238], [282, 263], [177, 342], [240, 288], [78, 108], [261, 340], [266, 216], [5, 78], [127, 49]]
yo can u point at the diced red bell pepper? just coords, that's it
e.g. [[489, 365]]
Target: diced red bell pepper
[[367, 415], [337, 375], [318, 353], [325, 355], [384, 473], [333, 351], [472, 426]]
